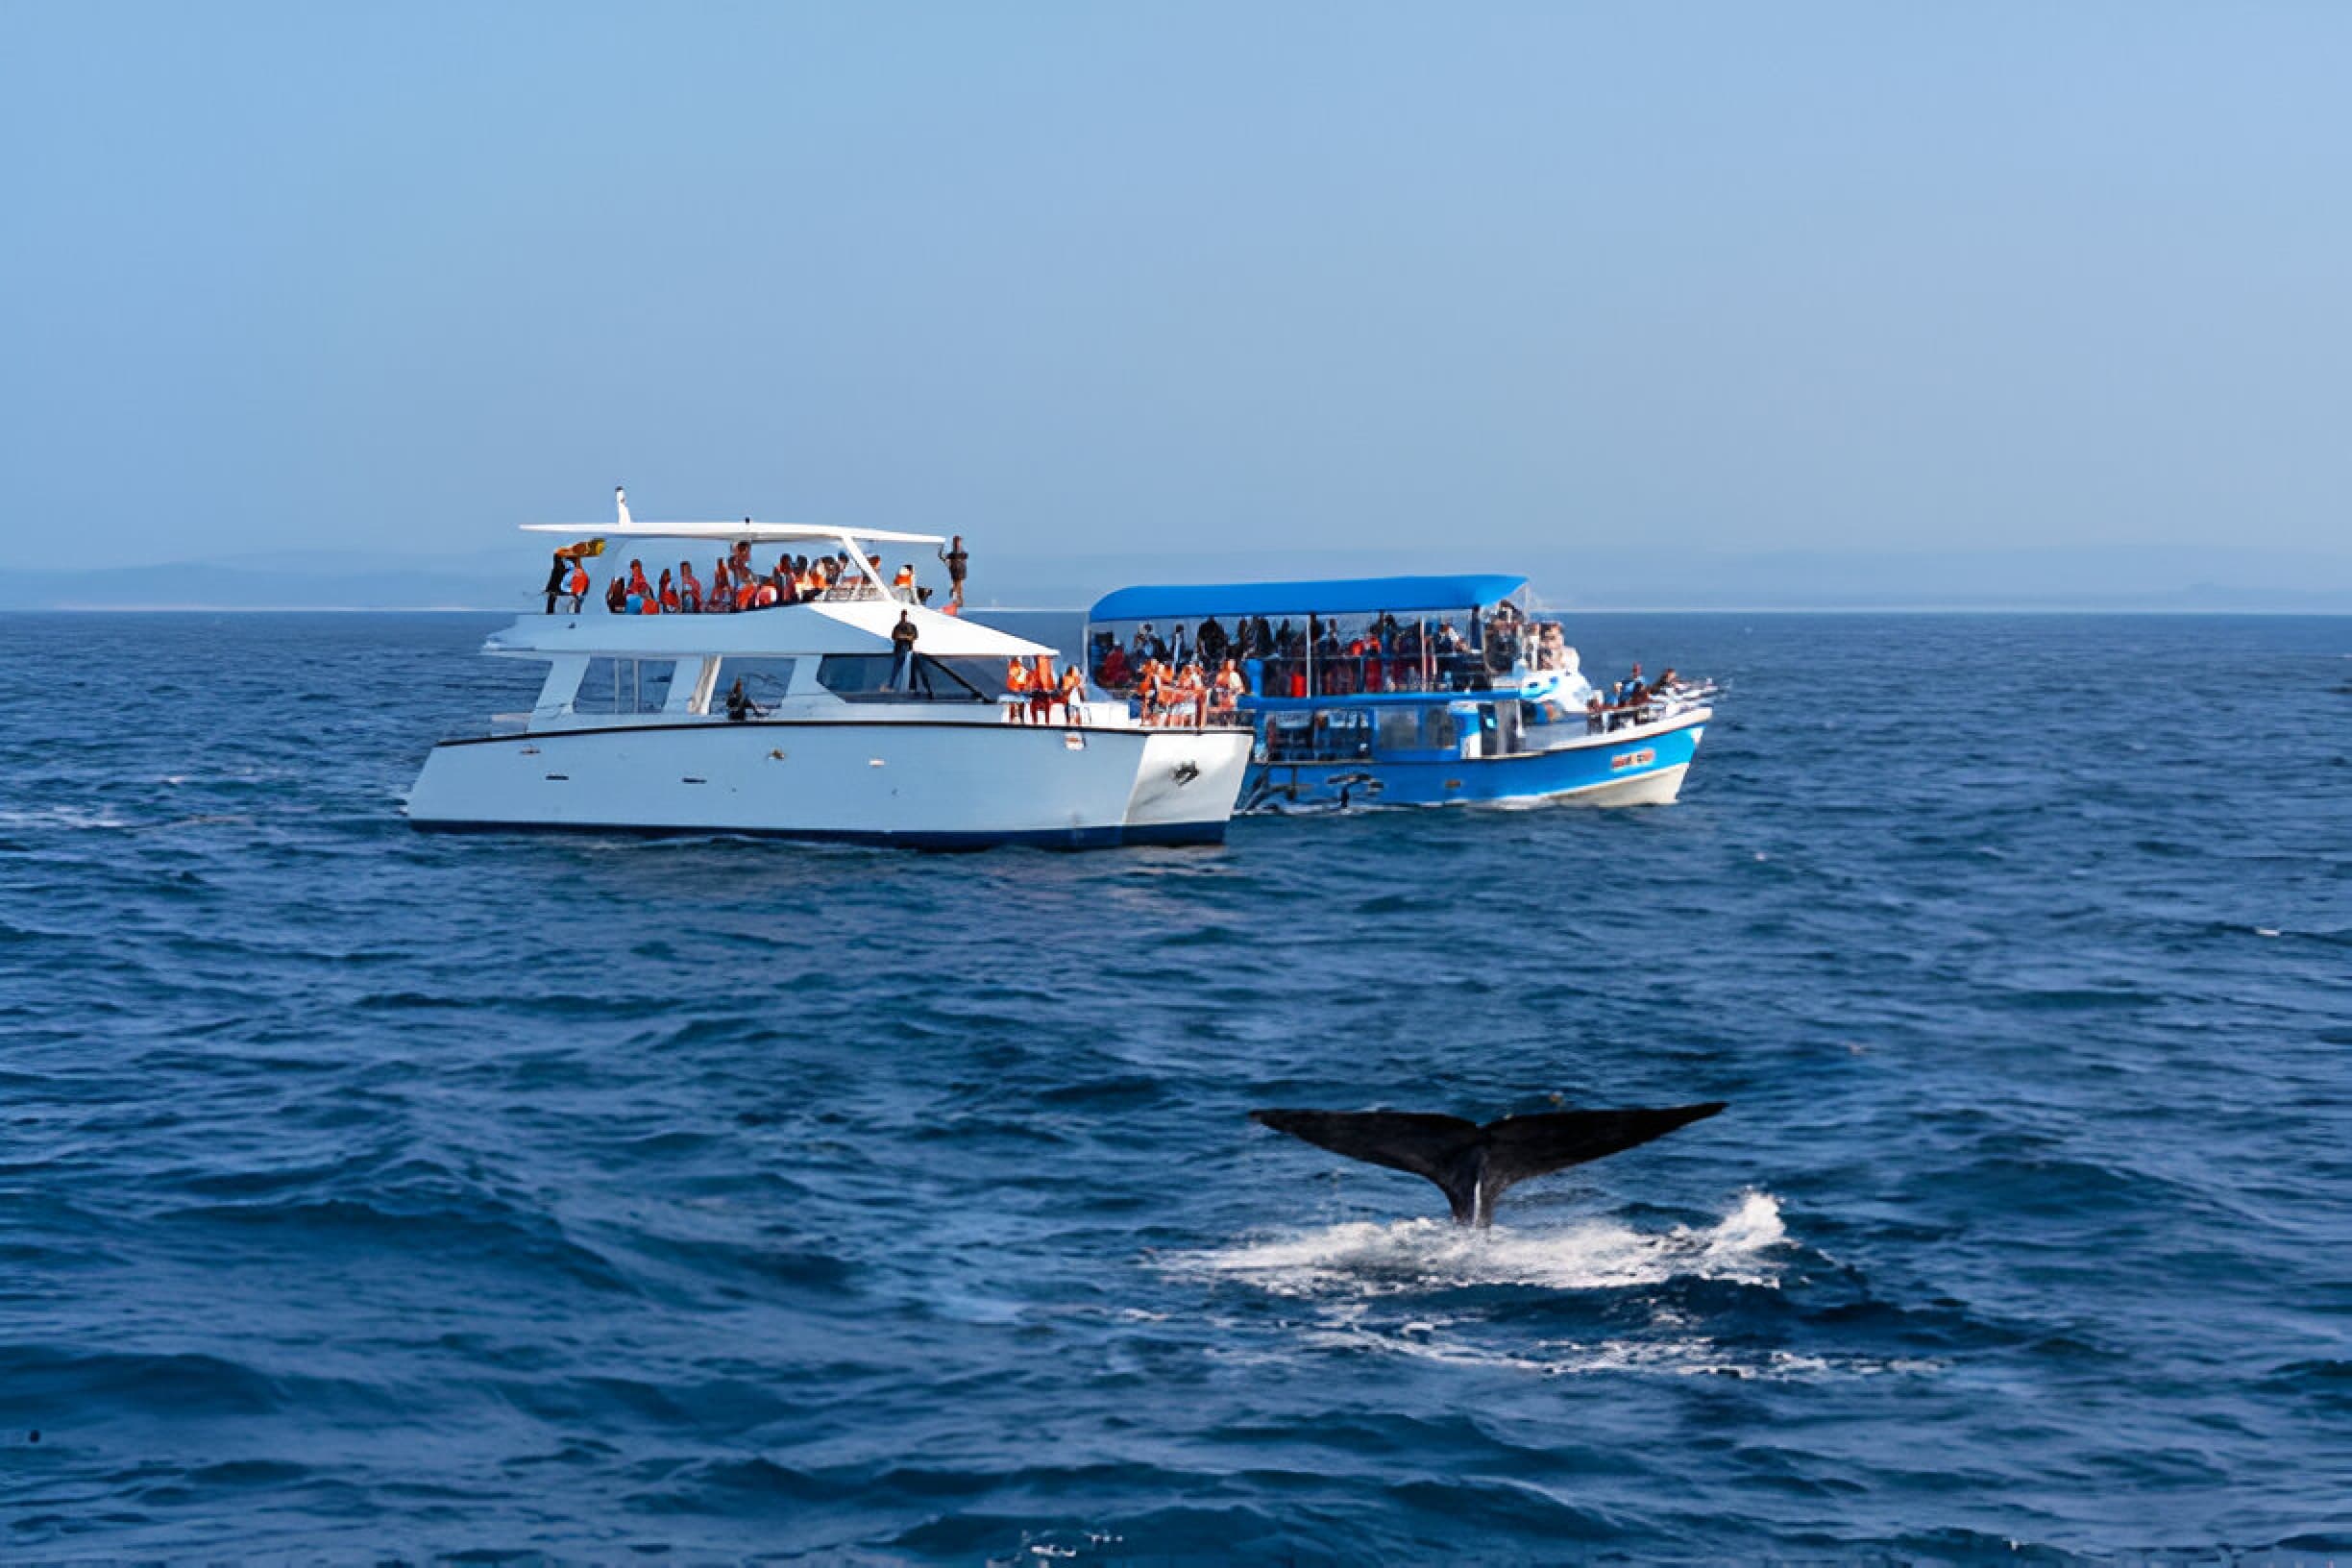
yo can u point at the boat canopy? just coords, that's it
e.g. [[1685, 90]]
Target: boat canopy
[[810, 627], [1330, 596], [758, 533]]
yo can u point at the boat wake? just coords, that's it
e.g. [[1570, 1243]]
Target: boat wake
[[1360, 1259]]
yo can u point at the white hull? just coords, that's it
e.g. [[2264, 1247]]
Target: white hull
[[947, 783]]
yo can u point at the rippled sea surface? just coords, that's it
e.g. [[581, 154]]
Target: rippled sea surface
[[371, 1195]]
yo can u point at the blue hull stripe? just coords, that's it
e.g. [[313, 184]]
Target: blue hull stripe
[[1420, 781]]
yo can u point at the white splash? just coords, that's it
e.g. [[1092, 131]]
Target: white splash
[[1360, 1259], [69, 816]]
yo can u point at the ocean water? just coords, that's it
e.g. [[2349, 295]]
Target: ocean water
[[365, 1195]]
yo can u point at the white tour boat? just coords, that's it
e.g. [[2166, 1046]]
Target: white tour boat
[[840, 739]]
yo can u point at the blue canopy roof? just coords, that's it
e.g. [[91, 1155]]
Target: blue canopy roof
[[1329, 595]]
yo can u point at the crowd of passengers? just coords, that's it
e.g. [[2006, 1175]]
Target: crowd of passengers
[[738, 584], [1626, 700], [1386, 655], [1170, 677]]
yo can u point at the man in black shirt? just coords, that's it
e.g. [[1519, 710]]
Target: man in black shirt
[[904, 671], [958, 558], [738, 703]]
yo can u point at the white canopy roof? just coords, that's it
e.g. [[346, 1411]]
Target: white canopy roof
[[759, 533], [853, 625]]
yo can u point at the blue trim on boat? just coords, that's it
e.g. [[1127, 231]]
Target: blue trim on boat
[[1084, 838], [1338, 595], [1390, 778]]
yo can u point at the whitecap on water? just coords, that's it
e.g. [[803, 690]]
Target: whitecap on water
[[66, 816], [1361, 1259]]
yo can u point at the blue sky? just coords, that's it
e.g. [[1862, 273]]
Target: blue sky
[[1184, 278]]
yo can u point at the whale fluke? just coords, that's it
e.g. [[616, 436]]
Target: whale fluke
[[1473, 1164]]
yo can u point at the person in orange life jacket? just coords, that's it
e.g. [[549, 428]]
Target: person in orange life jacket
[[1041, 691], [578, 586], [764, 594], [722, 597], [747, 591], [1073, 693], [905, 580], [738, 560], [1017, 687], [1147, 691], [1192, 692], [669, 593], [690, 589], [638, 587]]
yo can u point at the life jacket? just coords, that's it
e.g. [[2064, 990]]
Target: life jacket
[[904, 579], [745, 596], [765, 595], [670, 601], [1017, 676], [647, 605], [578, 584]]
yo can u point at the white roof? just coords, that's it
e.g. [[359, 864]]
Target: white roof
[[759, 533], [855, 625]]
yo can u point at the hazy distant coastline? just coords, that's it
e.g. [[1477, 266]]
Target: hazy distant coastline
[[2059, 580]]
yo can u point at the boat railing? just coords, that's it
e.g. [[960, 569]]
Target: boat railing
[[1116, 714]]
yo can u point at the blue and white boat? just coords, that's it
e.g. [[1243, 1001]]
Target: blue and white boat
[[1405, 690]]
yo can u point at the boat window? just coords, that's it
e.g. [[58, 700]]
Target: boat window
[[765, 681], [624, 686], [1438, 731], [865, 677], [1323, 735], [1400, 729]]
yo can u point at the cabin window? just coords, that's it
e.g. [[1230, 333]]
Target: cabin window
[[765, 681], [865, 677], [1323, 735], [624, 686], [1400, 729], [1438, 730]]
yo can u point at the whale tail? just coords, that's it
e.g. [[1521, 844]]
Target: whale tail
[[1473, 1164]]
